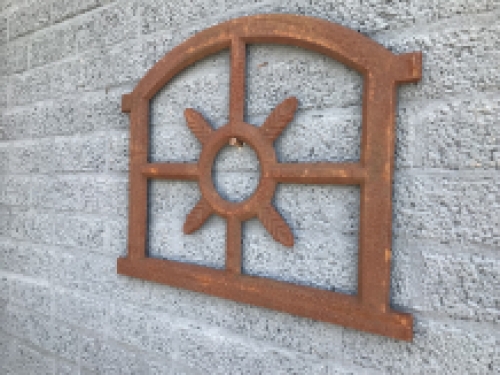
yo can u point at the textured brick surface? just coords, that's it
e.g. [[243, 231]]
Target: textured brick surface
[[64, 148], [29, 17], [448, 207], [29, 361], [52, 44], [3, 29], [66, 368], [461, 134], [4, 92], [63, 9], [14, 57], [437, 348], [464, 286]]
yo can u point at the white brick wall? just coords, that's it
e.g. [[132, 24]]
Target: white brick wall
[[63, 191]]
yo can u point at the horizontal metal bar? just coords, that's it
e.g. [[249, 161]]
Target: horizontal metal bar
[[319, 173], [299, 300], [171, 171]]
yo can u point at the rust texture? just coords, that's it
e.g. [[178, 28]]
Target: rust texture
[[369, 310]]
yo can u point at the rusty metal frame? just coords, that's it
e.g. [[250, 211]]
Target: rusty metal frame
[[369, 310]]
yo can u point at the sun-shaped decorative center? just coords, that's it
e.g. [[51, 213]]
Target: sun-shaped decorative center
[[261, 140]]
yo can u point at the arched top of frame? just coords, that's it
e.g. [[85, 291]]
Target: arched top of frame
[[333, 40]]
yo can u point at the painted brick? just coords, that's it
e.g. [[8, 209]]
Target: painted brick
[[6, 348], [105, 111], [6, 4], [116, 234], [155, 15], [235, 186], [380, 15], [65, 77], [326, 261], [129, 325], [447, 207], [29, 17], [214, 352], [78, 114], [54, 80], [125, 58], [4, 92], [168, 214], [20, 158], [104, 357], [91, 194], [80, 154], [152, 14], [105, 26], [78, 231], [283, 330], [81, 310], [32, 295], [23, 123], [464, 286], [27, 325], [4, 159], [28, 224], [34, 157], [94, 274], [461, 134], [14, 56], [4, 291], [25, 259], [33, 85], [29, 361], [52, 44], [375, 16], [316, 80], [195, 88], [406, 276], [5, 215], [448, 58], [231, 159], [321, 136], [173, 143], [16, 191], [41, 333], [4, 34], [319, 207], [445, 348], [66, 368], [64, 9], [118, 159], [168, 367], [64, 341], [407, 127], [436, 348]]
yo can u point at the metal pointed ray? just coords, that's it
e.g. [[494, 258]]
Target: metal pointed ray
[[276, 225], [197, 124], [197, 217], [279, 118]]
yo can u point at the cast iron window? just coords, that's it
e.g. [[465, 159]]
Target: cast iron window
[[369, 310]]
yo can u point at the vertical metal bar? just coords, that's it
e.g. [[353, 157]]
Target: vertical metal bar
[[237, 89], [233, 245], [376, 191], [138, 197]]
